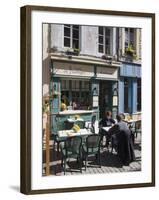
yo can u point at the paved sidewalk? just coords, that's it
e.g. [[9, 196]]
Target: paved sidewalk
[[110, 163]]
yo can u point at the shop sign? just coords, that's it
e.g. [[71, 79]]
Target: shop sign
[[107, 72], [71, 69]]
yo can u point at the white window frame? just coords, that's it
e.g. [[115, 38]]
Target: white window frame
[[104, 40], [71, 36], [128, 39], [140, 46]]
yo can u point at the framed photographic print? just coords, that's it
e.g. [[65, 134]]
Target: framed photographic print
[[87, 99]]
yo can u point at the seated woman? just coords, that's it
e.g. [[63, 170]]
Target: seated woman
[[121, 135], [106, 122]]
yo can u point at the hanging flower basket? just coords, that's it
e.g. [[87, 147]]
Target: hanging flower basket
[[56, 94], [130, 53], [46, 107]]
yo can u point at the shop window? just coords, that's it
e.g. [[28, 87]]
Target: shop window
[[77, 95], [140, 44], [71, 36], [75, 85], [104, 37]]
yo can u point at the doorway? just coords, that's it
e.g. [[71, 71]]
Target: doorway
[[105, 97]]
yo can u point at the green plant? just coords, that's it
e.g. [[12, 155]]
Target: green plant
[[76, 50], [69, 50], [130, 50], [45, 107], [73, 51], [56, 94]]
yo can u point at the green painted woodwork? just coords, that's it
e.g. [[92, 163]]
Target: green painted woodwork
[[58, 121]]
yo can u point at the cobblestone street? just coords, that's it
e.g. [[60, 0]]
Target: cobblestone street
[[110, 163]]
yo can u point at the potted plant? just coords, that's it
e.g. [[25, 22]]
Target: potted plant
[[106, 57], [72, 52], [76, 51], [56, 94], [46, 107], [130, 53], [69, 51], [130, 50]]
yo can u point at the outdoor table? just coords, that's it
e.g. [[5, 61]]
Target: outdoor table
[[133, 127], [106, 128], [64, 134], [131, 121], [105, 132], [74, 120], [71, 121]]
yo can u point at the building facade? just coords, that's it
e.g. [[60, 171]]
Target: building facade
[[130, 71], [87, 69]]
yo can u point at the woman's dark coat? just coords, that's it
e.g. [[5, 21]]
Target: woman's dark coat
[[122, 136]]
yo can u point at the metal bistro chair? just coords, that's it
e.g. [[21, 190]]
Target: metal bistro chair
[[132, 129], [92, 147], [135, 128], [54, 136], [71, 148], [114, 143], [93, 119], [138, 127], [56, 141]]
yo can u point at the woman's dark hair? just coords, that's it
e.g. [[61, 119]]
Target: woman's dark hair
[[108, 113], [120, 117]]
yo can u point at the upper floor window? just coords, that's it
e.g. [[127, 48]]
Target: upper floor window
[[104, 36], [140, 44], [129, 37], [71, 36]]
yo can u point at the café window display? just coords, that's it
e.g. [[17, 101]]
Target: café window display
[[76, 94]]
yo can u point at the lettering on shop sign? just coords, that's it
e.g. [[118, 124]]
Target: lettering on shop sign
[[106, 72], [73, 69]]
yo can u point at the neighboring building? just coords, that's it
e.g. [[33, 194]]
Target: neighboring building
[[130, 71], [86, 67]]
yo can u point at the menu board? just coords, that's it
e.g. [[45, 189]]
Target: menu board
[[95, 101]]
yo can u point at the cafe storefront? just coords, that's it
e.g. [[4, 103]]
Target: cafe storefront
[[130, 88], [82, 88]]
